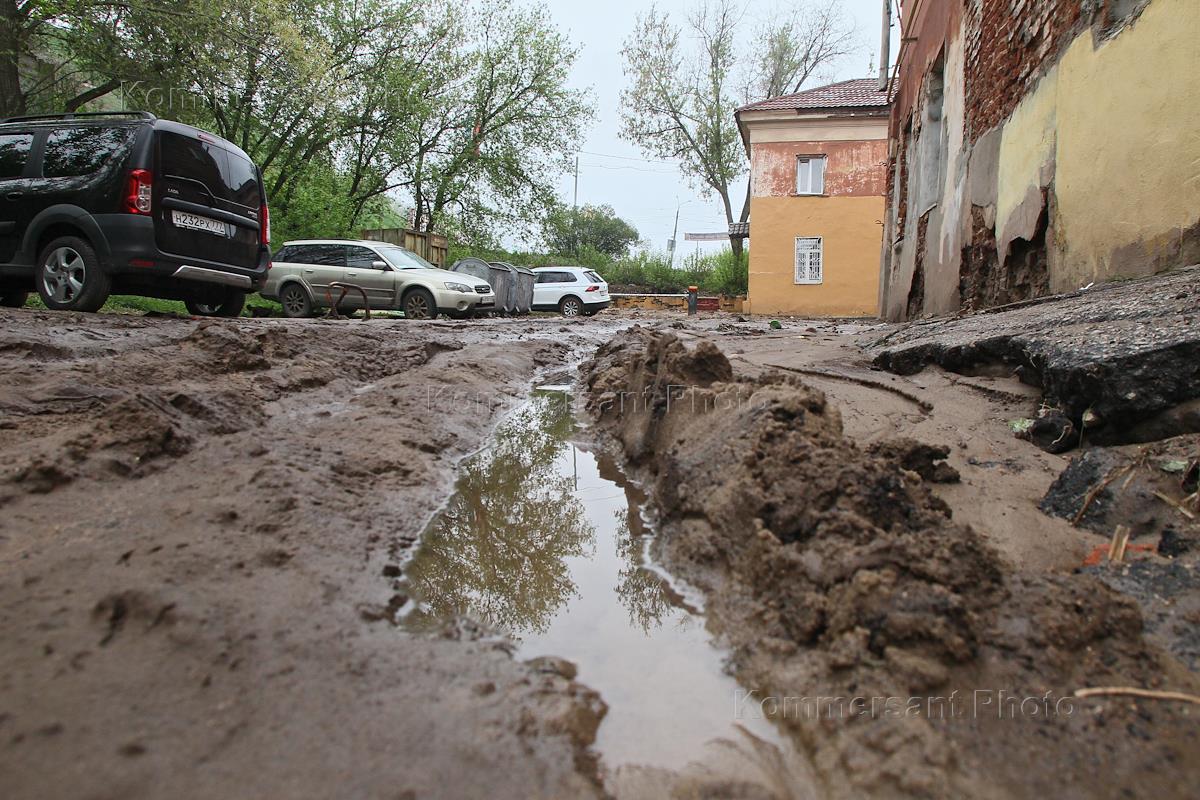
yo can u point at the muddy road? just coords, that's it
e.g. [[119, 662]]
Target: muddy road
[[216, 538], [197, 522]]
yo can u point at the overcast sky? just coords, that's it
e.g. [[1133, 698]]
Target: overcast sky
[[613, 171]]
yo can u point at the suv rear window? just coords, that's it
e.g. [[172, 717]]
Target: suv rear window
[[594, 277], [192, 160], [71, 152], [14, 153], [242, 178], [228, 176]]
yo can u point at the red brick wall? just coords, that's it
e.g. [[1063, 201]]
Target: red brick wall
[[1008, 45]]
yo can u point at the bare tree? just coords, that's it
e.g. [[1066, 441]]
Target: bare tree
[[681, 100]]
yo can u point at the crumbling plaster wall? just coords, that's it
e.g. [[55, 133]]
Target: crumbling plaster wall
[[1089, 168]]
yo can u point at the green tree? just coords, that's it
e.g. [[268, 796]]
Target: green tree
[[488, 150], [680, 102], [567, 230]]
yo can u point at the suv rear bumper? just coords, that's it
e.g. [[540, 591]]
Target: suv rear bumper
[[134, 255]]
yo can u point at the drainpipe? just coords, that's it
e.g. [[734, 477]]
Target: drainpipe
[[885, 46]]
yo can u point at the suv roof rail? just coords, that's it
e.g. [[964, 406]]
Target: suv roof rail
[[81, 115]]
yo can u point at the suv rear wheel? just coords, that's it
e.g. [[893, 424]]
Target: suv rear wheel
[[295, 301], [69, 276], [231, 306], [571, 307]]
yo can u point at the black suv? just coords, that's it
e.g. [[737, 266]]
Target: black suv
[[128, 203]]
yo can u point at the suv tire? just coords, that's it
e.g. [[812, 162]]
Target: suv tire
[[571, 307], [13, 299], [231, 306], [419, 304], [69, 276], [295, 301]]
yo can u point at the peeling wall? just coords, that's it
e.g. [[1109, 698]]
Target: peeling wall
[[853, 169], [1065, 145]]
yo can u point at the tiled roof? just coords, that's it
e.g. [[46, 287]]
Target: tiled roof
[[858, 93]]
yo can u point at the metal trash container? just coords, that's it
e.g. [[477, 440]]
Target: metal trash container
[[525, 282], [509, 301], [500, 277]]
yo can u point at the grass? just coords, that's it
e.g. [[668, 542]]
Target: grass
[[134, 304]]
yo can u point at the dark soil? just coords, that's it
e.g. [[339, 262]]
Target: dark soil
[[835, 572]]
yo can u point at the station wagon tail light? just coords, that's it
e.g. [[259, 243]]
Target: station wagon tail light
[[592, 288], [138, 192], [264, 224]]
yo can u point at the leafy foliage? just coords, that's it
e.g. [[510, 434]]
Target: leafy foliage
[[463, 107], [681, 100], [595, 228]]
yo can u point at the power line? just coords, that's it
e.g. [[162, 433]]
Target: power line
[[634, 169], [627, 158]]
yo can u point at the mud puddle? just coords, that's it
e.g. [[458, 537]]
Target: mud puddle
[[545, 542]]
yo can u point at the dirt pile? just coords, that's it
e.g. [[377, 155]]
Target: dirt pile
[[860, 613]]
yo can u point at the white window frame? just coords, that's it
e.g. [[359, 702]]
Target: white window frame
[[809, 179], [804, 267]]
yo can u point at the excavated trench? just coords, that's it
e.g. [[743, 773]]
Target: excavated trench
[[544, 542]]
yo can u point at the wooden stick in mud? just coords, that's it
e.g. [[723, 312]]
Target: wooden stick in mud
[[1175, 504], [1095, 491], [1133, 691], [1120, 540]]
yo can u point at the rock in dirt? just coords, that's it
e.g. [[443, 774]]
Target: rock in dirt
[[1125, 354], [834, 572]]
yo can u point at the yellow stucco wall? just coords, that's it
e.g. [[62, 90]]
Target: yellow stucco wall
[[1116, 128], [1128, 175], [852, 239]]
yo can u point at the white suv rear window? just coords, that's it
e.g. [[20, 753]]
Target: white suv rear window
[[593, 277]]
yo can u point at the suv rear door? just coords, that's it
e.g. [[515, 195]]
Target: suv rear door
[[210, 199], [16, 148]]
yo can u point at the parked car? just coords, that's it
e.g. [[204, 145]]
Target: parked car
[[571, 291], [393, 278], [92, 204]]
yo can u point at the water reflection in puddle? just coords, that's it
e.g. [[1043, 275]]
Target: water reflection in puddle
[[545, 542]]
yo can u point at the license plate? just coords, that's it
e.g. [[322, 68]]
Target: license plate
[[485, 303], [182, 219]]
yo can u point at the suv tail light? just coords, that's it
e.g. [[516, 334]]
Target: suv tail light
[[592, 288], [139, 191], [264, 225]]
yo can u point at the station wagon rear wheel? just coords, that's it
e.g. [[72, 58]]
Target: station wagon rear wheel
[[69, 276], [419, 304], [295, 301]]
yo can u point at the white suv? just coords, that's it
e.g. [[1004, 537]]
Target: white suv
[[394, 279], [571, 291]]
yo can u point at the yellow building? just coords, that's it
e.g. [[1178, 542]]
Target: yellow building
[[818, 172]]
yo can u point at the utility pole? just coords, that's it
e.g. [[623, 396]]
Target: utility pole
[[885, 45], [674, 234], [575, 214]]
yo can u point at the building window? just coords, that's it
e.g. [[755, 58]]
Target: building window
[[809, 261], [810, 175]]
